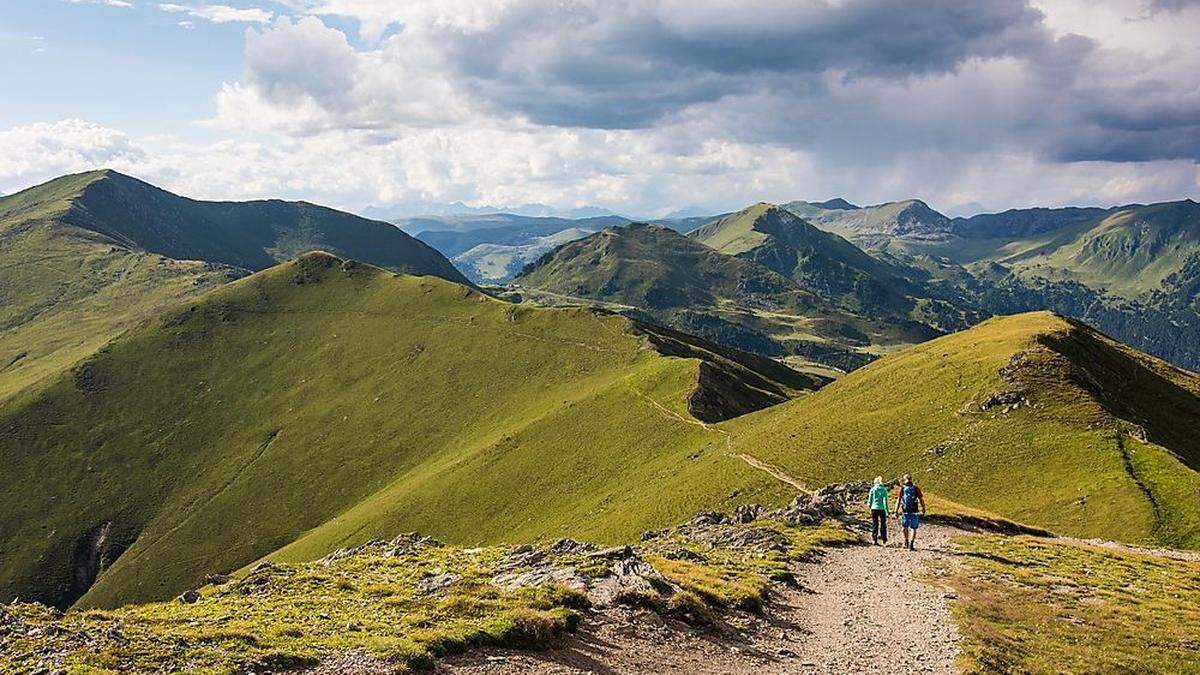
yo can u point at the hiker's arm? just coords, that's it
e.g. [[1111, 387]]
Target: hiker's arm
[[921, 499]]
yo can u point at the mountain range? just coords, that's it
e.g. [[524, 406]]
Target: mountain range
[[1131, 271], [197, 405]]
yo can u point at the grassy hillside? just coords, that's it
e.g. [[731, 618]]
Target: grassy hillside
[[322, 403], [1033, 417], [86, 256], [834, 269], [684, 283], [65, 292], [1127, 252]]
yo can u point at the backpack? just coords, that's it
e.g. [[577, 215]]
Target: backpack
[[908, 499]]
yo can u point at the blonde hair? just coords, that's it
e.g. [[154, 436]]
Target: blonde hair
[[879, 480]]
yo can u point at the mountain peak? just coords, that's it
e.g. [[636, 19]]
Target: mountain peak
[[836, 204]]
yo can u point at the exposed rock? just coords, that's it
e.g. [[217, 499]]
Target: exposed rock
[[748, 513], [1006, 399], [216, 579], [521, 557], [409, 542], [436, 582], [261, 567], [569, 546], [567, 576], [189, 596], [629, 578], [612, 553]]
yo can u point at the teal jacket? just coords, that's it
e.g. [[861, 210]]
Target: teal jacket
[[878, 498]]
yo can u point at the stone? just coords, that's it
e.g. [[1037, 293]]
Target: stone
[[189, 596], [436, 583]]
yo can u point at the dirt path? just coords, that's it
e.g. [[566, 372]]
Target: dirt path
[[861, 609], [871, 613]]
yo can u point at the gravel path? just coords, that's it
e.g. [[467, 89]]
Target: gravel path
[[860, 609], [870, 613]]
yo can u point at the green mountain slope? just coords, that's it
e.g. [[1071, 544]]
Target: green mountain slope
[[321, 402], [679, 281], [833, 268], [1033, 417], [84, 257], [1127, 252]]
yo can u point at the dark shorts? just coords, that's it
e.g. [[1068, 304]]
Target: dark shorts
[[910, 520]]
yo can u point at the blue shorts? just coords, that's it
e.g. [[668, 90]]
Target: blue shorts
[[910, 520]]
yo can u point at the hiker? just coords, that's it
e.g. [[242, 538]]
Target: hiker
[[877, 501], [910, 506]]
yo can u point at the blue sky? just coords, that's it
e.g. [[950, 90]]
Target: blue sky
[[641, 106]]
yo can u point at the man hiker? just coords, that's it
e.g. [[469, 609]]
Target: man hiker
[[910, 506], [877, 500]]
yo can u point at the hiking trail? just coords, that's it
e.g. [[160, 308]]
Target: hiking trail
[[858, 609]]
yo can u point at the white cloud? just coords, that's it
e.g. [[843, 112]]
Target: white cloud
[[37, 152], [649, 105], [219, 13]]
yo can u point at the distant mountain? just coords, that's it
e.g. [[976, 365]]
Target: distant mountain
[[1024, 223], [654, 271], [85, 256], [831, 267], [135, 215], [492, 255], [459, 216], [880, 226]]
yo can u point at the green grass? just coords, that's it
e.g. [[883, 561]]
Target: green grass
[[1037, 606], [370, 600], [86, 256], [1058, 463], [318, 405]]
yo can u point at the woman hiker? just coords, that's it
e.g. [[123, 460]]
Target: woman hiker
[[877, 500]]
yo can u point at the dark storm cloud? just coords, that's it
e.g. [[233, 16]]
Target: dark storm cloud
[[841, 78], [620, 66]]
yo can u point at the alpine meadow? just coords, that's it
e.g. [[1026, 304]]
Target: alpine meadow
[[485, 338]]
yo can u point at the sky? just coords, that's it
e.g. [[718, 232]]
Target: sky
[[643, 107]]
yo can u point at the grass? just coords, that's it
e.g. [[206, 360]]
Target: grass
[[360, 402], [298, 615], [1065, 461], [87, 256], [370, 600], [1037, 606]]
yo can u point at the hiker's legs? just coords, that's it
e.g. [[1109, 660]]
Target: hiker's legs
[[878, 525]]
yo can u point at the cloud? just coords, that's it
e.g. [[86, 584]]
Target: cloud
[[219, 13], [37, 152], [647, 105]]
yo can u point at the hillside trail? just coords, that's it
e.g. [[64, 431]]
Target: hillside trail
[[857, 609]]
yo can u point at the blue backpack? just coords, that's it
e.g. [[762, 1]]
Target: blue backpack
[[908, 499]]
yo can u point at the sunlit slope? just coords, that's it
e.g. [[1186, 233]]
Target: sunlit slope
[[1032, 417], [84, 257], [329, 402], [64, 293]]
